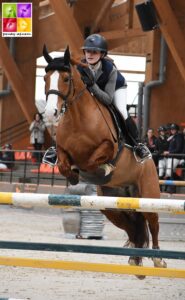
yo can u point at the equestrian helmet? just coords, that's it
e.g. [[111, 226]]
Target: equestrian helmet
[[174, 126], [96, 42], [7, 146], [168, 126], [161, 128]]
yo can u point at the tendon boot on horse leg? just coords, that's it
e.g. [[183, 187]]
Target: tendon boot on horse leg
[[153, 223]]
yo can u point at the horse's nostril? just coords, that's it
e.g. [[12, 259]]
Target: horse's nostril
[[55, 114]]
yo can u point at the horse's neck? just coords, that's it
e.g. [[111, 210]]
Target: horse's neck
[[86, 111], [82, 100]]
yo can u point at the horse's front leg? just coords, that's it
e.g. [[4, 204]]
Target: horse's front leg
[[65, 167], [101, 155]]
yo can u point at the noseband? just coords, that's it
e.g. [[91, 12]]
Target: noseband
[[59, 93]]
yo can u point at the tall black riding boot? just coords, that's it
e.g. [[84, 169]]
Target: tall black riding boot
[[139, 149], [132, 131]]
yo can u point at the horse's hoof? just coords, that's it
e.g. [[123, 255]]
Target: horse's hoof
[[136, 261], [141, 277], [73, 180], [159, 262]]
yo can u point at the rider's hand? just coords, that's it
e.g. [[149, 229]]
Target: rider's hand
[[87, 77], [87, 81]]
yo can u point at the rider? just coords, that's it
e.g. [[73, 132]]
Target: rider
[[107, 84]]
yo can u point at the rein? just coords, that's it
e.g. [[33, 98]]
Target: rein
[[113, 136]]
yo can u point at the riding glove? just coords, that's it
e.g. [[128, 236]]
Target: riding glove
[[87, 81], [87, 77]]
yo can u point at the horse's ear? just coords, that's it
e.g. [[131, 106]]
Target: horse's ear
[[46, 55], [67, 56]]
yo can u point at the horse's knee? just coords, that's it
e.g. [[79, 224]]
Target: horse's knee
[[101, 155]]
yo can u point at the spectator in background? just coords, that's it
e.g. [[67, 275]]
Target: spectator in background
[[168, 129], [182, 162], [175, 147], [150, 141], [37, 129], [7, 159], [162, 145]]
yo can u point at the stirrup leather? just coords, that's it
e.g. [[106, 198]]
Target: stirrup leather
[[50, 157]]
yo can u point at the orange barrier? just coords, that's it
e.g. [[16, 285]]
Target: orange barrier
[[44, 168], [178, 171], [5, 170], [22, 155]]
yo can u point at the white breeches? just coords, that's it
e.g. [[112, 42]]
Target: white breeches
[[162, 165], [3, 166], [172, 163], [120, 101]]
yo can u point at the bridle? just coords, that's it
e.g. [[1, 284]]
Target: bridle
[[64, 97]]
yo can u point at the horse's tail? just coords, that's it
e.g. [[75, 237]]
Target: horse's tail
[[140, 233]]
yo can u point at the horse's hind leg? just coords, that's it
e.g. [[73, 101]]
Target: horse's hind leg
[[133, 223], [153, 223], [149, 188]]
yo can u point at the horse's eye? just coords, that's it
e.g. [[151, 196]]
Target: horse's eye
[[66, 79]]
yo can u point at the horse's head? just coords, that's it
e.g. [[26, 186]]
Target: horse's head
[[58, 84]]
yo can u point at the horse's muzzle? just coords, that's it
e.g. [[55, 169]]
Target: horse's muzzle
[[50, 116]]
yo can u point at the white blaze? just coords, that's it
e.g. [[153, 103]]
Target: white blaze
[[51, 106]]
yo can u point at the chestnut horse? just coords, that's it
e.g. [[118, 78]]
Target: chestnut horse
[[86, 139]]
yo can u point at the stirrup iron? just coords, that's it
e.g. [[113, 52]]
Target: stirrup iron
[[147, 153], [50, 157]]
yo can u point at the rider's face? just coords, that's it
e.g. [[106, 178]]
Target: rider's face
[[92, 57]]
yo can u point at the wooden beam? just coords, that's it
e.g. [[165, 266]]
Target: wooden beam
[[130, 13], [15, 78], [48, 36], [65, 19], [117, 38], [172, 33], [123, 34], [102, 13]]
